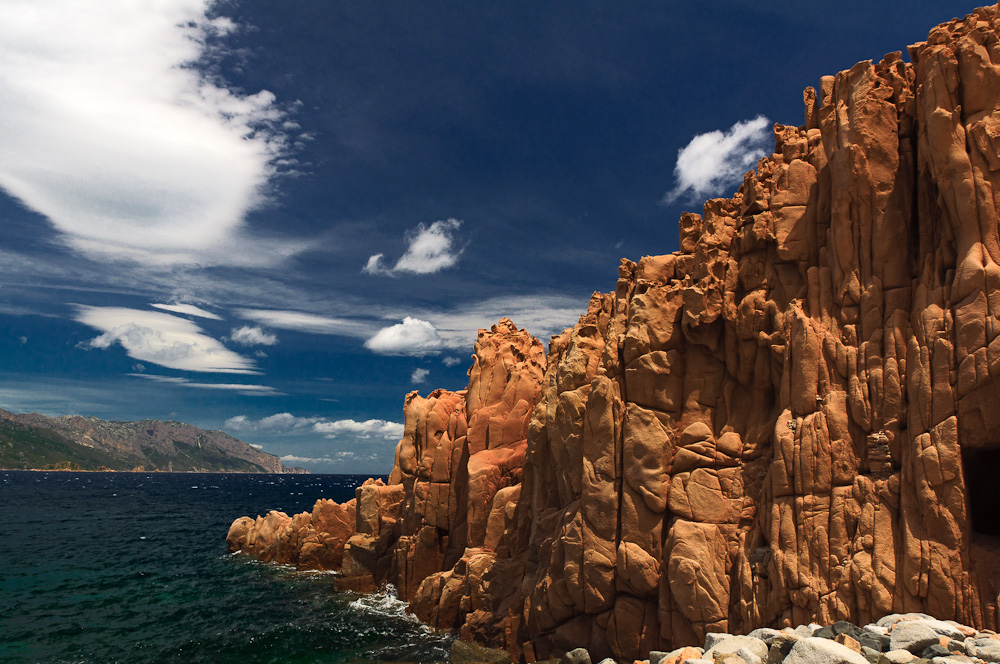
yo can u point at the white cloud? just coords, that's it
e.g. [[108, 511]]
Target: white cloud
[[451, 361], [419, 375], [715, 160], [259, 447], [276, 422], [366, 429], [188, 309], [111, 131], [252, 336], [541, 315], [242, 388], [291, 458], [288, 423], [411, 337], [429, 249], [169, 341], [312, 323], [23, 339]]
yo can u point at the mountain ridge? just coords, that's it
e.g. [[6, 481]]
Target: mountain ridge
[[32, 441]]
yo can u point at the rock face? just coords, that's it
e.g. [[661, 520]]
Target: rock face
[[792, 419]]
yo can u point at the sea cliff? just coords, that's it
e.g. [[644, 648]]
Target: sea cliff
[[792, 419]]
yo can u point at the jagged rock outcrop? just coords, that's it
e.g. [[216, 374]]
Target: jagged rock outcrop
[[792, 419]]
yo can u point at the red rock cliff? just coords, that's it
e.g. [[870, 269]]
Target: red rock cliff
[[794, 418]]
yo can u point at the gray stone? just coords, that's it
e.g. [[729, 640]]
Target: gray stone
[[576, 656], [608, 660], [697, 661], [463, 652], [896, 657], [816, 650], [873, 640], [655, 656], [893, 618], [936, 650], [871, 654], [984, 648], [840, 627], [912, 635], [803, 631], [749, 657], [715, 637], [733, 643], [781, 645], [765, 634]]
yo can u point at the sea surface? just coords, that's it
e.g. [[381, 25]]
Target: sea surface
[[132, 567]]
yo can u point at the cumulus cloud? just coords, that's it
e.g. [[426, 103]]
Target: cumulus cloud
[[288, 423], [365, 429], [276, 422], [451, 361], [419, 376], [159, 338], [411, 337], [114, 132], [188, 309], [429, 249], [242, 388], [23, 339], [252, 336], [312, 323], [715, 160]]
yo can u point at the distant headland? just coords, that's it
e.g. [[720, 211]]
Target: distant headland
[[36, 442]]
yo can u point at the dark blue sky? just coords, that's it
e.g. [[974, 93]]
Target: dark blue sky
[[328, 199]]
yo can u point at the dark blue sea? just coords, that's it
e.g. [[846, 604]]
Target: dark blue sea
[[123, 567]]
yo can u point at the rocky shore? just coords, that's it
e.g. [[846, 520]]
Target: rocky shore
[[910, 638]]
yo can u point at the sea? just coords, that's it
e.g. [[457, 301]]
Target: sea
[[133, 567]]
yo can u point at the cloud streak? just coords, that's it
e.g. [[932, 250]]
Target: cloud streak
[[112, 131], [159, 338], [242, 388], [715, 160]]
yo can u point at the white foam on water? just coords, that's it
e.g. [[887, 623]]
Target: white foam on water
[[385, 602]]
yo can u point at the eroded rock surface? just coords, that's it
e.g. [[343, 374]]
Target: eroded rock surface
[[793, 419]]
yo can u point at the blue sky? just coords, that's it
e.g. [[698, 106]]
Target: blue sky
[[277, 219]]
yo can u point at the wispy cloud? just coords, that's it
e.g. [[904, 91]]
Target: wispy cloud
[[159, 338], [429, 249], [188, 309], [252, 336], [242, 388], [450, 361], [715, 160], [114, 133], [419, 376], [311, 323], [411, 337]]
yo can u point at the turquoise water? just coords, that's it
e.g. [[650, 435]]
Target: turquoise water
[[121, 567]]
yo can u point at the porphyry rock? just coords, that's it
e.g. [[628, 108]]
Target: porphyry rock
[[791, 420]]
